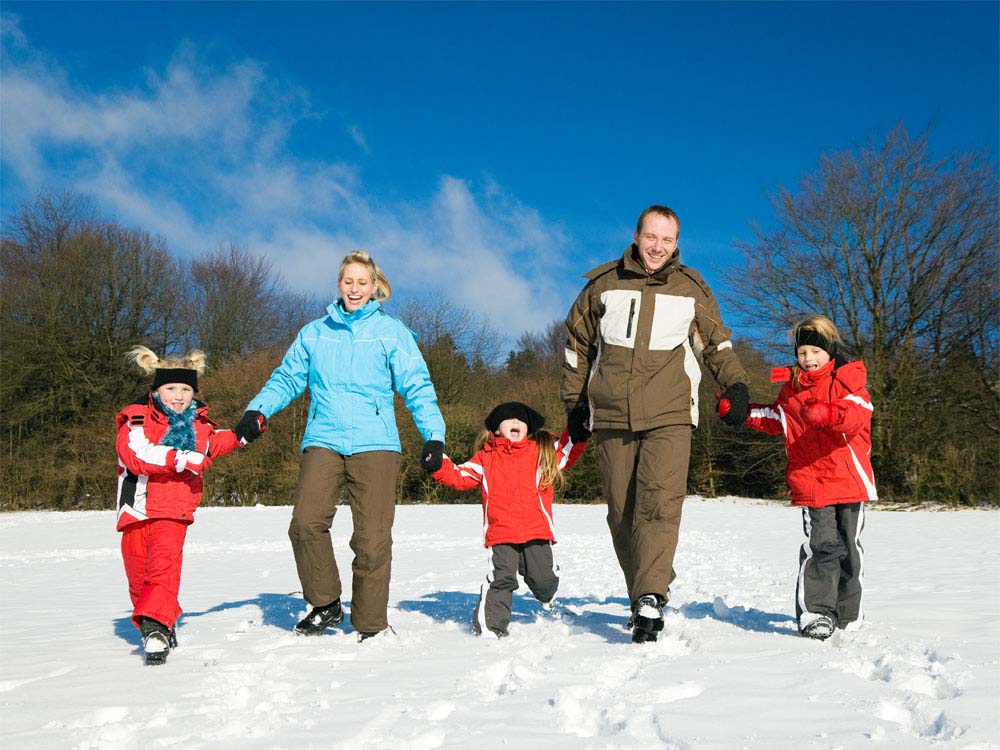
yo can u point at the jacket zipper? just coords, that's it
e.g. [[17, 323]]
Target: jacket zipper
[[631, 315]]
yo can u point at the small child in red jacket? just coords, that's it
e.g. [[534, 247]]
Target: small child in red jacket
[[165, 442], [516, 467], [824, 412]]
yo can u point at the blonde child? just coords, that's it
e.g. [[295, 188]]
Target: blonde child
[[165, 442], [824, 412], [516, 466]]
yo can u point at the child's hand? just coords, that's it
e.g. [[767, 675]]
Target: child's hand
[[250, 427], [193, 461], [432, 456], [819, 413], [734, 404]]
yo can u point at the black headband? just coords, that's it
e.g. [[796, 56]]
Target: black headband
[[183, 375], [812, 337]]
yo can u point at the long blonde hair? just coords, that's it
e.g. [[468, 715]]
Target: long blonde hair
[[821, 326], [149, 362], [382, 288], [548, 459]]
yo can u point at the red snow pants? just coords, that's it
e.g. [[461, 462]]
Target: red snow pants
[[152, 551]]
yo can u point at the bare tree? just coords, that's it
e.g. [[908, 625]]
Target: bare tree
[[900, 249], [76, 295], [240, 304]]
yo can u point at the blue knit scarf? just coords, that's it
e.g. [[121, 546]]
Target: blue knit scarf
[[180, 435]]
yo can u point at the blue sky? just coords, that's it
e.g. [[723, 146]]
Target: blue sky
[[487, 152]]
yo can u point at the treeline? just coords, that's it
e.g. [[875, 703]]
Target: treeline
[[901, 252]]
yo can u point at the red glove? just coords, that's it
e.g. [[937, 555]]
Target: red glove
[[819, 413], [724, 404]]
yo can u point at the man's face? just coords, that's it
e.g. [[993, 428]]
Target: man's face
[[657, 241]]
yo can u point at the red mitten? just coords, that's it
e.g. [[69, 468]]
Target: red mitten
[[819, 413], [724, 404]]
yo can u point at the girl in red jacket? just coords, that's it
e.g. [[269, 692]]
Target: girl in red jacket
[[516, 467], [165, 442], [824, 413]]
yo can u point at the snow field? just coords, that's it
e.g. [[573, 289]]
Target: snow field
[[729, 670]]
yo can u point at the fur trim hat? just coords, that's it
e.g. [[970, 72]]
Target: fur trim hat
[[514, 410]]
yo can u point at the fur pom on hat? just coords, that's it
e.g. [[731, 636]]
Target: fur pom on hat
[[168, 370], [514, 410]]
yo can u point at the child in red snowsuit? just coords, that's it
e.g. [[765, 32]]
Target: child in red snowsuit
[[165, 442], [824, 412], [515, 469]]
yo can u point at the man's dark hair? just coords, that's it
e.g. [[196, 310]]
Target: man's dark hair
[[662, 211]]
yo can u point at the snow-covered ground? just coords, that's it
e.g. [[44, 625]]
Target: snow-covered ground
[[728, 672]]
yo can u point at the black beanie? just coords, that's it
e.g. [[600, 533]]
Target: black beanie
[[812, 337], [514, 410], [183, 375]]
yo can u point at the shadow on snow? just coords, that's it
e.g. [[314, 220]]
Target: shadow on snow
[[280, 611], [580, 613]]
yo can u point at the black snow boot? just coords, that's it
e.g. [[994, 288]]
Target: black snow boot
[[155, 641], [820, 629], [320, 619], [647, 618]]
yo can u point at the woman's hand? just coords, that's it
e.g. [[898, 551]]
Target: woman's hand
[[432, 456]]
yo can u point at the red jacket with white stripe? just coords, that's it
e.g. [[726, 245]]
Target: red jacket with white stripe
[[826, 466], [150, 484], [515, 510]]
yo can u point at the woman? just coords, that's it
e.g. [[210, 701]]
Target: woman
[[351, 360]]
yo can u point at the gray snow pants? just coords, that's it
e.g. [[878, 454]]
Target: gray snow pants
[[533, 560], [831, 565]]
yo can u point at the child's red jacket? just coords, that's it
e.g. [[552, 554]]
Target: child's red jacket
[[515, 510], [149, 485], [826, 466]]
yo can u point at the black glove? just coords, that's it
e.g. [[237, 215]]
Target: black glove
[[738, 396], [432, 456], [250, 426], [576, 423]]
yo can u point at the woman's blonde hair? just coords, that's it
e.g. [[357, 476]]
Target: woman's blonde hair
[[149, 362], [382, 289], [548, 460], [817, 329]]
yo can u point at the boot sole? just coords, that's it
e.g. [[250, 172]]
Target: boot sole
[[646, 629], [312, 630]]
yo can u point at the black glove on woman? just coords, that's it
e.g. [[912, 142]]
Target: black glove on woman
[[432, 456], [250, 426]]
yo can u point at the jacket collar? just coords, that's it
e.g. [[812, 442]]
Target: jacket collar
[[809, 379], [632, 265], [340, 315], [497, 443], [158, 413]]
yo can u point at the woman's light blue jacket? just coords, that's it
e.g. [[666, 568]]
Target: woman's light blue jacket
[[351, 363]]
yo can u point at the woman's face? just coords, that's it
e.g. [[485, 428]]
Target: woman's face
[[811, 357], [356, 286], [176, 396]]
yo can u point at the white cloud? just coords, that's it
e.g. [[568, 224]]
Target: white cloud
[[359, 138], [200, 155]]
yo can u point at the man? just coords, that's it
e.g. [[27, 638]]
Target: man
[[631, 375]]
